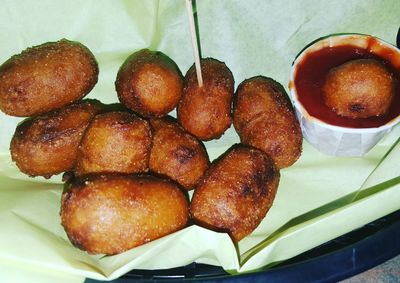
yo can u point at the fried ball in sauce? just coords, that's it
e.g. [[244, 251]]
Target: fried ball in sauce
[[46, 77], [205, 111], [48, 144], [111, 213], [236, 192], [263, 116], [115, 142], [176, 153], [359, 88], [149, 83]]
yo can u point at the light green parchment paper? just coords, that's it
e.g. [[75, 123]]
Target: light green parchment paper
[[319, 198]]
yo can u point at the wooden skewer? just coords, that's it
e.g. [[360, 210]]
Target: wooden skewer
[[195, 46]]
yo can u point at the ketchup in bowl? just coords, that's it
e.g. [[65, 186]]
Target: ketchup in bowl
[[321, 126], [310, 77]]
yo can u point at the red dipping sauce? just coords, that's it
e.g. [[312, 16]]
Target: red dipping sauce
[[314, 67]]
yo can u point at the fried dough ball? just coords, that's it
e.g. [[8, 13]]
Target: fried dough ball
[[149, 83], [176, 153], [111, 213], [115, 142], [236, 192], [205, 111], [263, 117], [46, 77], [48, 144], [359, 88]]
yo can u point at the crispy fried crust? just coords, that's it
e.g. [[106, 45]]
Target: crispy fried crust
[[109, 214], [206, 112], [236, 192], [115, 142], [176, 153], [48, 144], [149, 83], [360, 88], [264, 118], [46, 77]]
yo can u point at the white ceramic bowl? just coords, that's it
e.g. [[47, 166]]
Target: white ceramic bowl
[[338, 140]]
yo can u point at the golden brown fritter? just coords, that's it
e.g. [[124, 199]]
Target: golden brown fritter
[[236, 192], [359, 89], [176, 153], [46, 77], [205, 111], [149, 83], [115, 142], [109, 214], [48, 144], [264, 118]]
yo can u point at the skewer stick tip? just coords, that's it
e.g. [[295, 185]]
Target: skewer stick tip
[[195, 47]]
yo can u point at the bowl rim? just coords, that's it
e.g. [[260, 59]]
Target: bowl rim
[[310, 48]]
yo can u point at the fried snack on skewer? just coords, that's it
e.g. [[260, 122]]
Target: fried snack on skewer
[[115, 141], [111, 213], [205, 111], [236, 192], [46, 77], [176, 153], [149, 83], [48, 144], [263, 116]]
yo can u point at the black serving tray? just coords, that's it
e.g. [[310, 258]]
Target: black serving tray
[[345, 256]]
